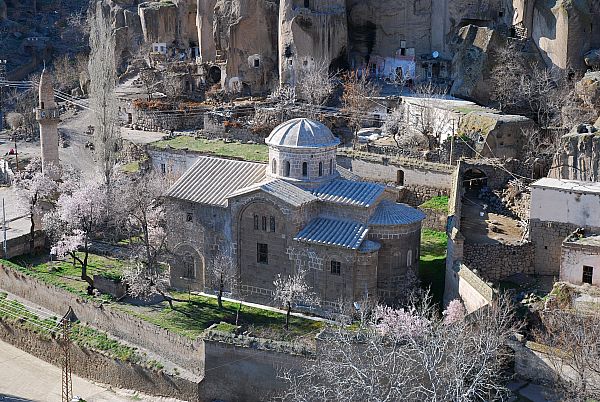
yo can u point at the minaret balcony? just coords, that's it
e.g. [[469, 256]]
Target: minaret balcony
[[46, 114]]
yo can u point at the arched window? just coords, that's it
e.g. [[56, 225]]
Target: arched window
[[274, 167], [255, 222], [304, 169], [330, 167], [272, 225], [400, 177], [409, 258], [320, 169], [287, 169]]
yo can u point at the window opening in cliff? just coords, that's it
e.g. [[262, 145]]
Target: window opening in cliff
[[214, 75], [306, 3], [474, 180], [256, 63], [288, 52]]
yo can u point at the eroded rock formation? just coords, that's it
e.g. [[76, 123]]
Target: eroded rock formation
[[579, 155]]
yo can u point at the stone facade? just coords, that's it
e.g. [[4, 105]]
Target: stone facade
[[498, 261], [260, 226], [578, 253]]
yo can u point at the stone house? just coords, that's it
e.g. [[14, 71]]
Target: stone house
[[558, 208], [580, 259], [301, 210]]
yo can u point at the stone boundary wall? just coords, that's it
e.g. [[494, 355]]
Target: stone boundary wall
[[435, 220], [167, 120], [498, 261], [468, 286], [18, 246], [244, 371], [175, 348], [96, 366]]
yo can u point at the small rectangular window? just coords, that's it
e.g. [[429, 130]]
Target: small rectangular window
[[189, 217], [272, 224], [336, 268], [163, 168], [588, 274], [262, 253], [264, 223]]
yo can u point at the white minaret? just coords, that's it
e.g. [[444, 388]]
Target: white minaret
[[47, 116]]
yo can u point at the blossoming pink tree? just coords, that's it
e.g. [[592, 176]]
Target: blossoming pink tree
[[35, 188], [79, 215], [292, 290]]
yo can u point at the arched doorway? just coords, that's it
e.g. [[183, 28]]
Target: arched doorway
[[474, 180]]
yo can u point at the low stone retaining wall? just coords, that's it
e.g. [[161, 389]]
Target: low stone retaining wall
[[96, 366], [175, 348], [497, 261]]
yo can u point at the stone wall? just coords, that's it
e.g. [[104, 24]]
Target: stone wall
[[415, 195], [464, 283], [251, 362], [435, 219], [175, 348], [166, 120], [18, 246], [98, 367], [547, 238], [497, 261]]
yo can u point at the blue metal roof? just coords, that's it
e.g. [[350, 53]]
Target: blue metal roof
[[391, 213], [355, 193], [333, 232]]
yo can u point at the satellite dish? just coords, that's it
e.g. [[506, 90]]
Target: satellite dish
[[435, 54]]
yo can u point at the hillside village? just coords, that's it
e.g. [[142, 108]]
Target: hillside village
[[248, 200]]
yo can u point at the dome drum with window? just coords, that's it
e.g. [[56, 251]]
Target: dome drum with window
[[303, 151]]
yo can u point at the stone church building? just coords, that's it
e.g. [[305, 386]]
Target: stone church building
[[299, 210]]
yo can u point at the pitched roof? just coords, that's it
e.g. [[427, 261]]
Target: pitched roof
[[347, 174], [355, 193], [283, 190], [391, 213], [211, 180], [333, 232], [584, 187]]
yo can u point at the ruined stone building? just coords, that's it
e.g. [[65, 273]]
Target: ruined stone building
[[301, 210]]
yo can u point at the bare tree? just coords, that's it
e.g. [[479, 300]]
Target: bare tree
[[356, 99], [66, 74], [575, 352], [172, 85], [293, 290], [149, 79], [223, 274], [14, 120], [410, 354], [314, 85], [103, 101]]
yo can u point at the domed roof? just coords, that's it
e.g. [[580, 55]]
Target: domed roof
[[302, 133]]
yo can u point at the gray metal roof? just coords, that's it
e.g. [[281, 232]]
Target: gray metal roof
[[302, 133], [211, 180], [391, 213], [369, 246], [283, 190], [347, 174], [356, 193], [333, 232]]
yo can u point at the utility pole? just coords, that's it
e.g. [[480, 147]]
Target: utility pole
[[67, 383], [2, 79], [4, 244]]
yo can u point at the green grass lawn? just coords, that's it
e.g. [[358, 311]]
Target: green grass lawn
[[432, 266], [248, 152], [64, 274], [437, 203], [190, 319]]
